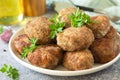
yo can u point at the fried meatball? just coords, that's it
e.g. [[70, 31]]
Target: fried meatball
[[78, 60], [104, 50], [64, 15], [72, 39], [112, 33], [100, 26], [20, 42], [39, 28], [46, 56]]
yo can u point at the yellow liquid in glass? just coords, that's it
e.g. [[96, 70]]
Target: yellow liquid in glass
[[11, 11]]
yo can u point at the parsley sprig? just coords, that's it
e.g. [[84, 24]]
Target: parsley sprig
[[26, 50], [79, 18], [1, 29], [10, 71], [56, 26]]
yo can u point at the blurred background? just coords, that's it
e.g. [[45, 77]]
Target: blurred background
[[14, 11]]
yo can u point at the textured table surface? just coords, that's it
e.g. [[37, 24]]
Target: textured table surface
[[111, 73]]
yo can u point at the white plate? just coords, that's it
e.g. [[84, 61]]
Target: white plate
[[59, 71]]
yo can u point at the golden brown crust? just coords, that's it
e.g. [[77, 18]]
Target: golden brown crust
[[39, 28], [112, 33], [46, 56], [20, 42], [72, 39], [78, 60], [100, 27], [67, 11], [104, 50]]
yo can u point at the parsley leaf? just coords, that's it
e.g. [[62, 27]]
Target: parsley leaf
[[54, 19], [56, 26], [26, 50], [10, 71], [1, 29], [79, 18]]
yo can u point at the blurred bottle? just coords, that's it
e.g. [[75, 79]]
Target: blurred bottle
[[34, 7], [11, 11]]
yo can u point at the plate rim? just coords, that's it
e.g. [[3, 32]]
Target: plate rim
[[58, 72]]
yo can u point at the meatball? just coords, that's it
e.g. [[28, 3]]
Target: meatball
[[112, 33], [72, 39], [39, 28], [64, 15], [104, 50], [78, 60], [100, 26], [20, 42], [46, 56]]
